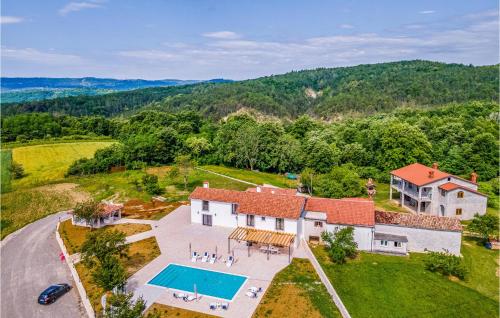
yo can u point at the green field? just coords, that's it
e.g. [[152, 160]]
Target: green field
[[47, 163], [5, 162], [393, 286], [254, 176], [297, 291]]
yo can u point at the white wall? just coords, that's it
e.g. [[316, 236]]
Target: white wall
[[470, 204], [421, 239], [362, 235], [390, 248], [220, 211]]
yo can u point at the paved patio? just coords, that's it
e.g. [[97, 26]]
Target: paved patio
[[175, 233]]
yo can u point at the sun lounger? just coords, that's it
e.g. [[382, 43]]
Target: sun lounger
[[179, 295], [251, 295], [204, 259], [194, 257], [230, 261], [224, 306], [189, 298], [213, 258], [255, 289]]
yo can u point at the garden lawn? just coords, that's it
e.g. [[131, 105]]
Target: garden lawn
[[49, 162], [382, 201], [255, 176], [5, 164], [74, 236], [140, 253], [297, 291], [393, 286], [165, 311]]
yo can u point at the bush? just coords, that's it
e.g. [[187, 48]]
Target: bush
[[446, 264], [151, 185], [341, 244], [17, 170]]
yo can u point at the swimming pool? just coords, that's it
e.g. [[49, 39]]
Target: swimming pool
[[208, 283]]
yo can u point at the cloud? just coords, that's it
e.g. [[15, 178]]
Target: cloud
[[427, 12], [474, 41], [10, 19], [78, 6], [346, 26], [223, 35], [40, 57]]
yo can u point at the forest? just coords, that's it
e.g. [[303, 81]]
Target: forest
[[461, 137], [325, 92]]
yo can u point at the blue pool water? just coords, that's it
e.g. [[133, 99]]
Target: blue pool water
[[208, 283]]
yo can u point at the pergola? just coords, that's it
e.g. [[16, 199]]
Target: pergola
[[264, 237]]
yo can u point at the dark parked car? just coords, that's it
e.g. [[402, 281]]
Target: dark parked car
[[51, 294]]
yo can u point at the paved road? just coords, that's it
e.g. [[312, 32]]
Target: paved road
[[30, 263]]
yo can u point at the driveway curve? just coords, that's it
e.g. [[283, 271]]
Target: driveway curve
[[29, 263]]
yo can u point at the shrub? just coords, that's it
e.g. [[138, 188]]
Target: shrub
[[17, 170], [484, 225], [446, 264], [151, 185], [341, 244]]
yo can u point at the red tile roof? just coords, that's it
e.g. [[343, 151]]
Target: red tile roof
[[259, 203], [422, 221], [355, 211], [449, 186], [418, 174], [274, 190]]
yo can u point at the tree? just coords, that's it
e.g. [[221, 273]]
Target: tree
[[246, 145], [109, 274], [198, 146], [320, 156], [89, 211], [307, 179], [122, 306], [184, 167], [340, 182], [101, 244], [17, 170], [150, 182], [340, 244], [484, 225]]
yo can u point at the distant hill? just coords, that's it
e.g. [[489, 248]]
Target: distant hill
[[321, 92], [23, 89]]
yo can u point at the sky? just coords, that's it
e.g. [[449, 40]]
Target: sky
[[237, 39]]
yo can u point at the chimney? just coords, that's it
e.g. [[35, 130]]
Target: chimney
[[258, 189], [431, 174], [435, 165], [205, 184], [473, 177]]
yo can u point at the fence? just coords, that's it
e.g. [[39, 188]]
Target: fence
[[76, 278]]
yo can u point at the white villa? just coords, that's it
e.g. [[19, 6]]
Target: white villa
[[282, 218], [431, 191], [109, 213]]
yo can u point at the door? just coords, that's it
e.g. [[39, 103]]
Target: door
[[207, 220]]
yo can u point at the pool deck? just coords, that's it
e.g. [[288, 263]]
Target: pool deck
[[174, 233]]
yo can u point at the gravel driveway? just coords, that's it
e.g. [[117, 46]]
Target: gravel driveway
[[29, 264]]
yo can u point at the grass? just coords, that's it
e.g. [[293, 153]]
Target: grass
[[47, 163], [393, 286], [382, 201], [164, 311], [254, 176], [22, 207], [5, 164], [74, 236], [298, 289], [140, 253]]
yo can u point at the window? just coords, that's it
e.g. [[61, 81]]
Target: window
[[460, 194], [443, 193], [250, 220], [280, 224], [263, 218], [234, 207], [397, 244], [318, 224], [458, 211], [204, 206], [383, 243]]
